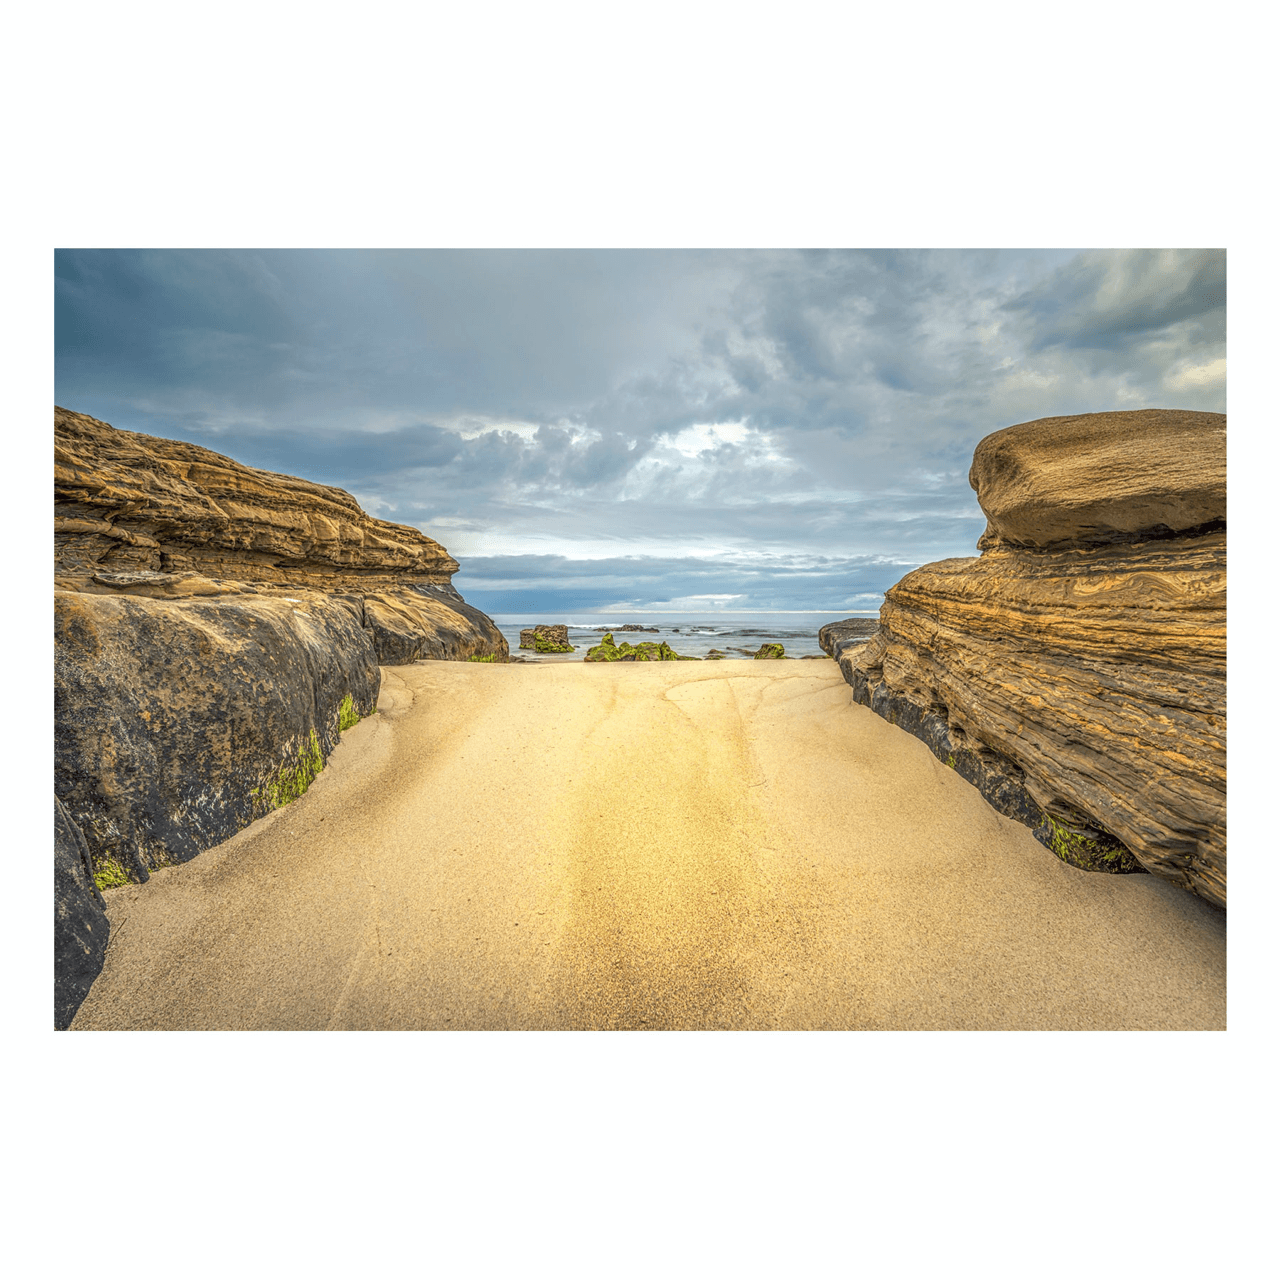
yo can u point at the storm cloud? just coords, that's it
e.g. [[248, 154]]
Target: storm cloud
[[783, 429]]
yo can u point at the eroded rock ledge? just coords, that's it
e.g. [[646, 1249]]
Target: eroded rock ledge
[[141, 516], [216, 628], [1075, 671]]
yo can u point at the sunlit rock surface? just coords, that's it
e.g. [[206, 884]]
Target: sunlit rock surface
[[1076, 670]]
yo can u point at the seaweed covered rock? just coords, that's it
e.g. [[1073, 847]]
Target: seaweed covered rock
[[546, 638], [770, 651], [178, 722], [1075, 672], [646, 651], [80, 927]]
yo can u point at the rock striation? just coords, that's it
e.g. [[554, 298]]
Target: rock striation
[[216, 628], [836, 637], [138, 515], [1075, 671], [125, 501]]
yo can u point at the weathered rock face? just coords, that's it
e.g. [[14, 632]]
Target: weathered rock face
[[430, 622], [1102, 477], [1076, 671], [141, 516], [215, 629], [178, 722], [125, 501], [79, 919], [836, 637]]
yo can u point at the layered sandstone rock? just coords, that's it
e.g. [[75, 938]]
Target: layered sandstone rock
[[125, 501], [1076, 671], [836, 637], [216, 627]]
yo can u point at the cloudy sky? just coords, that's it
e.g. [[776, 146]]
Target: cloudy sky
[[665, 430]]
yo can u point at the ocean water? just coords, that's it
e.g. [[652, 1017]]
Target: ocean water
[[693, 635]]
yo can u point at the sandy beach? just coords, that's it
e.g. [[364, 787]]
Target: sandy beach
[[725, 845]]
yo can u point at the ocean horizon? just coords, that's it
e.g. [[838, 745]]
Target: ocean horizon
[[693, 635]]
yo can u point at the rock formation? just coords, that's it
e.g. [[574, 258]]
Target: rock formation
[[216, 627], [546, 638], [836, 637], [1075, 672], [770, 651], [645, 651], [177, 722], [138, 515]]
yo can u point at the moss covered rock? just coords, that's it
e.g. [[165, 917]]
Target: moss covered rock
[[771, 651], [645, 651], [545, 638]]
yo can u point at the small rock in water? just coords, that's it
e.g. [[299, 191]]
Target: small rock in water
[[546, 638]]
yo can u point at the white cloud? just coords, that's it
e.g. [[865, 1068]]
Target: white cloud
[[704, 436], [1211, 374]]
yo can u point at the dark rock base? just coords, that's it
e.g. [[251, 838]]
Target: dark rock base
[[1070, 836], [80, 928], [177, 723]]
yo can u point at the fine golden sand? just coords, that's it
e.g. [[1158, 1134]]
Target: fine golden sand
[[671, 845]]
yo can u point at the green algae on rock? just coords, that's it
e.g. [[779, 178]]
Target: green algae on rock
[[771, 651], [546, 638], [645, 651], [1086, 847]]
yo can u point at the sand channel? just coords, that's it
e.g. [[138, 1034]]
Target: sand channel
[[631, 846]]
